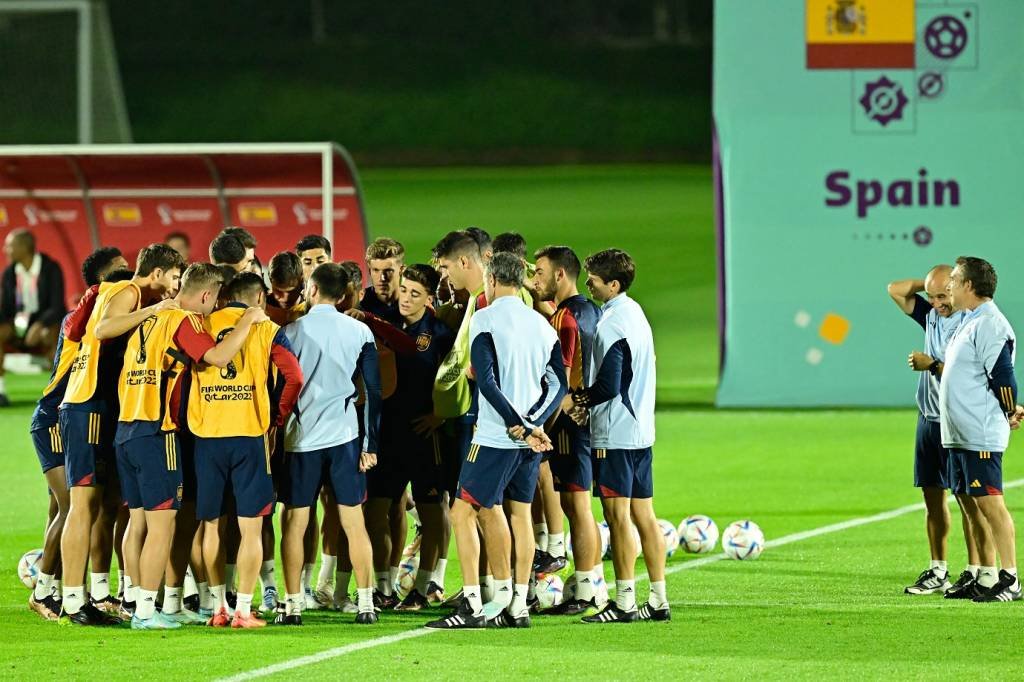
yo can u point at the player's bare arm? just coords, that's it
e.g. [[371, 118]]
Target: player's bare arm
[[904, 291], [120, 315]]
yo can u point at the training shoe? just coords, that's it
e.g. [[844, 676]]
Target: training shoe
[[506, 620], [572, 607], [107, 605], [462, 619], [324, 594], [45, 607], [533, 604], [414, 601], [346, 605], [454, 601], [613, 614], [1007, 589], [384, 601], [269, 598], [157, 622], [191, 603], [648, 612], [285, 619], [309, 601], [186, 617], [220, 619], [247, 622], [126, 611], [965, 587], [435, 594], [366, 618], [929, 582], [545, 563], [88, 615]]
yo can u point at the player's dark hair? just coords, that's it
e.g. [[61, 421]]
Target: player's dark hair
[[508, 270], [157, 256], [119, 275], [244, 287], [424, 275], [227, 273], [457, 243], [241, 234], [285, 269], [227, 249], [201, 277], [178, 235], [612, 264], [482, 238], [355, 274], [980, 274], [313, 241], [98, 261], [510, 242], [560, 257], [256, 266], [383, 248], [331, 279]]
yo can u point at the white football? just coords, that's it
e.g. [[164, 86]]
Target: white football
[[28, 567], [668, 531], [698, 534], [743, 540], [549, 590], [407, 574], [606, 539]]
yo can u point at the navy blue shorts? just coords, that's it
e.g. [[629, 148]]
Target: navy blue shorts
[[337, 467], [406, 458], [975, 473], [456, 436], [492, 475], [623, 473], [151, 471], [571, 463], [931, 460], [187, 452], [237, 466], [87, 433], [49, 448]]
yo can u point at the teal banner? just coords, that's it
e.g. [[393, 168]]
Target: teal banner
[[857, 143]]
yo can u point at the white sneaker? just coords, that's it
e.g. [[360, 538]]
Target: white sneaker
[[346, 605], [310, 602], [324, 594]]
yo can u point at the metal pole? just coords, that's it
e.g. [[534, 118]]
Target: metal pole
[[85, 74], [327, 203]]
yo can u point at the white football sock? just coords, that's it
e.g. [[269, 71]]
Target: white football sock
[[189, 587], [393, 576], [74, 599], [243, 605], [229, 577], [657, 598], [556, 544], [585, 585], [267, 574], [383, 584], [939, 567], [502, 593], [146, 606], [307, 576], [625, 594], [973, 569], [365, 599], [43, 584], [172, 600], [99, 586], [327, 565], [55, 588], [131, 590], [293, 604], [487, 587], [540, 536], [220, 600], [205, 596], [988, 576], [476, 602], [518, 607], [422, 580], [439, 570]]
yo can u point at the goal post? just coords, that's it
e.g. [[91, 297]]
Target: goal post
[[60, 72]]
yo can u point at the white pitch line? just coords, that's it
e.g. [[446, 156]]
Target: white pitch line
[[689, 565]]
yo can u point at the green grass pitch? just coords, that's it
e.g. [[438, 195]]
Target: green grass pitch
[[829, 605]]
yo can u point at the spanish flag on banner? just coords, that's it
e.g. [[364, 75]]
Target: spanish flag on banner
[[860, 34]]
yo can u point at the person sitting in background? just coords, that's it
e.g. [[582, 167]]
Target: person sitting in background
[[180, 242], [31, 300]]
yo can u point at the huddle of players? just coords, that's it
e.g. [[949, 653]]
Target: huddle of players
[[208, 405], [967, 398]]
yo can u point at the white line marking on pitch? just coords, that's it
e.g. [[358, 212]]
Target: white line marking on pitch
[[689, 565]]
